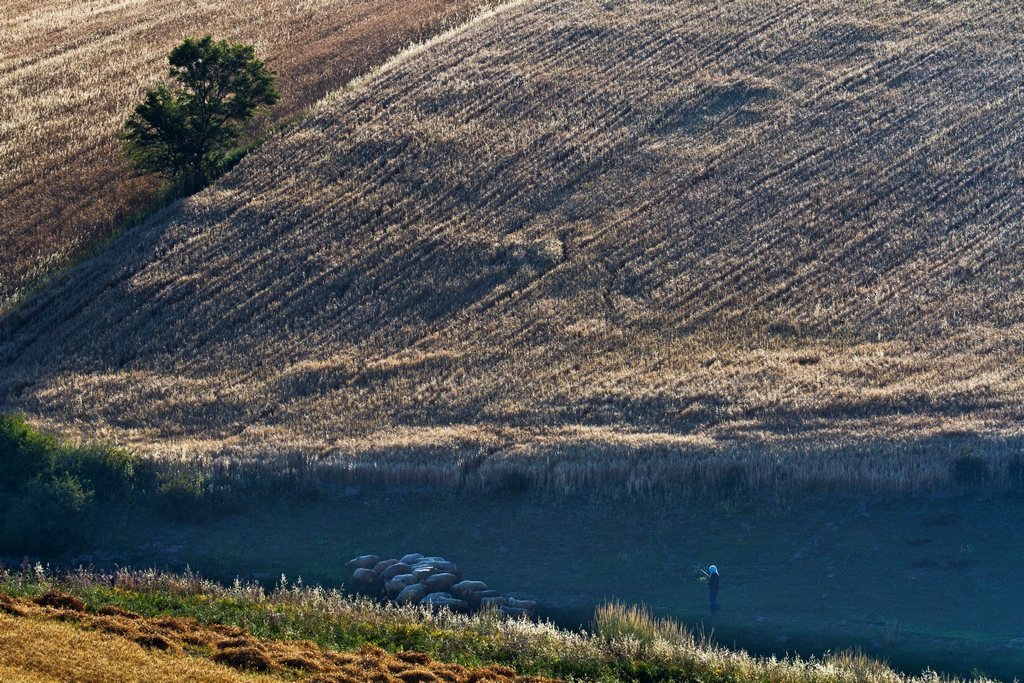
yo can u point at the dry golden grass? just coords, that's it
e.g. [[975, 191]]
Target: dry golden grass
[[56, 638], [71, 71], [33, 651], [627, 643], [634, 245]]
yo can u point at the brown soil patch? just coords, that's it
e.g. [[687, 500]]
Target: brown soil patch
[[61, 601]]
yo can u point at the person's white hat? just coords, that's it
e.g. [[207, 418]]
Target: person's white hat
[[712, 569]]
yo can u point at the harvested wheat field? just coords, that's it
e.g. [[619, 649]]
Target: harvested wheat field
[[71, 71], [55, 638], [584, 244]]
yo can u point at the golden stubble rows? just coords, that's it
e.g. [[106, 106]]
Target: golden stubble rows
[[72, 71], [634, 246]]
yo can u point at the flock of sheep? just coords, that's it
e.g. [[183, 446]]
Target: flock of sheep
[[431, 581]]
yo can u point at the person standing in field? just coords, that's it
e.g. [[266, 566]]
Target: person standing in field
[[713, 583]]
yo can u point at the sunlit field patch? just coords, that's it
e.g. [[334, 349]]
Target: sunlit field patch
[[575, 245]]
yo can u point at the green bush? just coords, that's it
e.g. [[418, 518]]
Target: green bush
[[49, 514], [183, 495], [110, 471], [50, 489], [24, 453], [188, 130]]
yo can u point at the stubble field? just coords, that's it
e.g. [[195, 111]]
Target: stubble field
[[636, 246], [71, 71]]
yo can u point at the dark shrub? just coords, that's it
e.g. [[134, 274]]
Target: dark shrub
[[732, 479], [509, 481], [24, 453], [109, 471], [1015, 474], [183, 496], [970, 470], [50, 514]]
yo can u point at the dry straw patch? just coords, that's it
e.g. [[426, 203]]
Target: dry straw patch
[[34, 650], [636, 246], [71, 71], [55, 638]]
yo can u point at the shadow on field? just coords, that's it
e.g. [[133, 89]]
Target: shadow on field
[[933, 582]]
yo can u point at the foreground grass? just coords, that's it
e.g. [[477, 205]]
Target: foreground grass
[[117, 644], [625, 644], [42, 651]]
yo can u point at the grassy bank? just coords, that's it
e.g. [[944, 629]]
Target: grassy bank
[[625, 643], [931, 581], [53, 491], [72, 480], [55, 637]]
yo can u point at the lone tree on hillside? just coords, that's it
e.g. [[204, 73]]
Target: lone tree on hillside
[[187, 129]]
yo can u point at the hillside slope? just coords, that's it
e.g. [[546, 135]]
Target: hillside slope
[[625, 243], [71, 71]]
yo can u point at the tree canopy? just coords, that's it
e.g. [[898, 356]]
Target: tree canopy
[[186, 129]]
